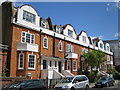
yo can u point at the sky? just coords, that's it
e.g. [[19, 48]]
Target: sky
[[98, 19]]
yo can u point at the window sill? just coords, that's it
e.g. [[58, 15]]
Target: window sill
[[45, 47], [31, 69], [74, 70], [60, 50], [20, 68]]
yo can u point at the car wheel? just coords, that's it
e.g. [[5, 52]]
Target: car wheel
[[86, 88], [72, 88], [107, 85], [112, 84]]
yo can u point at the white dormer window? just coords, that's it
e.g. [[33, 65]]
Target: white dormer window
[[108, 58], [43, 24], [27, 16], [58, 30], [84, 39], [60, 46], [108, 48], [101, 45], [70, 33]]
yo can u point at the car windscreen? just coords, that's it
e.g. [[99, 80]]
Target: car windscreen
[[67, 80], [103, 78]]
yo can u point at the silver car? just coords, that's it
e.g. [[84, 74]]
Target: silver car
[[73, 82]]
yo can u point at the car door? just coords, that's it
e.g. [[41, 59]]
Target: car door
[[75, 83], [78, 82]]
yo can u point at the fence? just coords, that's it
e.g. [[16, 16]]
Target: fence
[[9, 80], [50, 83]]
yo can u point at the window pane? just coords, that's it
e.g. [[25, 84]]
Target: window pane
[[29, 16], [60, 46], [70, 33], [31, 63], [28, 37], [45, 42], [21, 60]]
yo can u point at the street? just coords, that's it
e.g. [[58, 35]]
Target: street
[[92, 87], [115, 87]]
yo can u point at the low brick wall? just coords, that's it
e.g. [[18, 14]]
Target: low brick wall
[[9, 80]]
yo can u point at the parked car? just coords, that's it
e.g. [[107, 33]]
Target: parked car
[[73, 82], [105, 82], [26, 85]]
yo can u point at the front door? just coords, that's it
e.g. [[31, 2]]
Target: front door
[[69, 65], [44, 64], [59, 66]]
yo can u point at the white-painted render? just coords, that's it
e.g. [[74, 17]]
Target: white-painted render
[[81, 38], [69, 27], [36, 26], [101, 42], [27, 47]]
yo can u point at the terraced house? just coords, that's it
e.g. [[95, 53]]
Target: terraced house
[[41, 49]]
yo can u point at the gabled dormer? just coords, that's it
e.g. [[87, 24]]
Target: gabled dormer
[[83, 38], [95, 41], [27, 16], [44, 23], [101, 45], [58, 29], [107, 47], [69, 31]]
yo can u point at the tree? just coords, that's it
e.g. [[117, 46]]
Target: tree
[[94, 58]]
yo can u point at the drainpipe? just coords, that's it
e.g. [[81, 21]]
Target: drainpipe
[[53, 45], [64, 55], [40, 34]]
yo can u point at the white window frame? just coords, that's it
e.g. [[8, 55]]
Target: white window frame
[[108, 58], [31, 38], [60, 43], [70, 48], [29, 14], [55, 63], [74, 65], [100, 45], [34, 62], [25, 37], [20, 68], [84, 39], [83, 66], [51, 64], [71, 35], [108, 48], [43, 22], [46, 42]]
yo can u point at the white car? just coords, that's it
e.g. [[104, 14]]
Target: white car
[[73, 82]]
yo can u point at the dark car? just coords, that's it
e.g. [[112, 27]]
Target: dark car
[[105, 82], [26, 85]]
